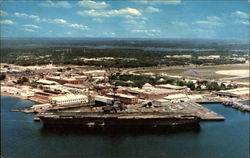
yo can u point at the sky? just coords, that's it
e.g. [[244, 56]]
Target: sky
[[126, 19]]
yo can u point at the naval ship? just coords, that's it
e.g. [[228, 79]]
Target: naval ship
[[118, 115]]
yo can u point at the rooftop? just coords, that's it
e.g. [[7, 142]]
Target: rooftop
[[69, 97], [171, 86], [46, 82], [176, 96]]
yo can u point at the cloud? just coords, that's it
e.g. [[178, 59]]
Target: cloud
[[241, 18], [77, 26], [97, 20], [242, 22], [31, 26], [213, 18], [144, 31], [110, 34], [152, 9], [154, 2], [128, 13], [3, 13], [59, 4], [7, 22], [210, 21], [56, 21], [24, 15], [68, 33], [179, 23], [151, 32], [28, 30], [204, 33], [93, 4], [60, 21], [135, 23], [240, 14]]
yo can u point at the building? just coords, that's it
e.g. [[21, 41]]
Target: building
[[46, 82], [152, 93], [69, 99], [75, 89], [55, 89], [44, 96], [95, 73], [127, 99], [124, 98], [66, 80], [210, 57], [179, 56], [169, 86], [103, 100], [234, 93]]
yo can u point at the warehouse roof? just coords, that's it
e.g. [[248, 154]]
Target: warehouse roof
[[69, 97], [171, 86], [176, 96], [46, 82]]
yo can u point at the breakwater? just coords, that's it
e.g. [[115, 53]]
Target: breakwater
[[237, 105]]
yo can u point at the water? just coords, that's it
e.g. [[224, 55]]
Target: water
[[21, 137]]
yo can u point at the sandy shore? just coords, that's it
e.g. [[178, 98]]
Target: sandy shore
[[17, 96], [10, 95]]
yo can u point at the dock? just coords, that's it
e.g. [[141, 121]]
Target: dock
[[204, 113], [209, 100]]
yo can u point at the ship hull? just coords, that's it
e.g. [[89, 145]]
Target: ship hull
[[112, 121]]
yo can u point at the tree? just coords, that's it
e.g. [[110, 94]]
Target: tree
[[213, 86], [2, 76], [191, 85], [25, 79], [22, 80], [223, 86]]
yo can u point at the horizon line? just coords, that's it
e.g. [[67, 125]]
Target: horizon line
[[125, 38]]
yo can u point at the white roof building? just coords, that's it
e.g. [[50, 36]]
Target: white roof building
[[69, 99], [46, 82]]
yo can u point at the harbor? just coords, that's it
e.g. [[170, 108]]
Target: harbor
[[20, 126]]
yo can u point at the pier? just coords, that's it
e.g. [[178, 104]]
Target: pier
[[231, 102], [204, 113]]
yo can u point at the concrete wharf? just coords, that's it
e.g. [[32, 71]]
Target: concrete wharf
[[204, 113]]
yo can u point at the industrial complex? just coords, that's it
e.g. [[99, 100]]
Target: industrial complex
[[101, 102]]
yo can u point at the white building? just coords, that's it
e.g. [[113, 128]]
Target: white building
[[46, 82], [69, 99], [210, 57]]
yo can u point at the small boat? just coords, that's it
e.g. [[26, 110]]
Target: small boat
[[37, 119]]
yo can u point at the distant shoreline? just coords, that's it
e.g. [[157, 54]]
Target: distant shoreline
[[16, 96]]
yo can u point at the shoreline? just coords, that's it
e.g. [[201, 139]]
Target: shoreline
[[10, 95], [17, 96]]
